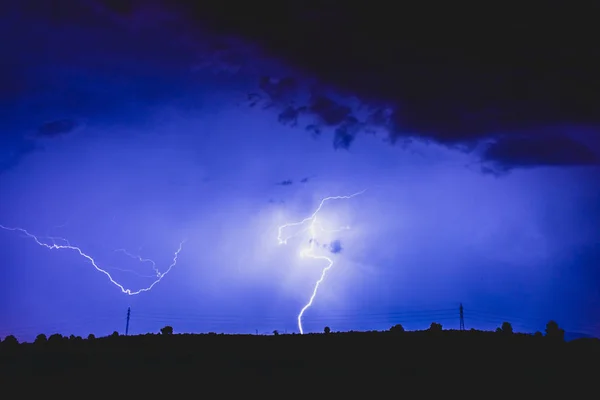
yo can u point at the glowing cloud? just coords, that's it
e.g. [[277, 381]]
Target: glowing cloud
[[159, 275], [314, 226]]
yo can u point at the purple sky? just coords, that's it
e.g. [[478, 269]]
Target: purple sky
[[135, 129]]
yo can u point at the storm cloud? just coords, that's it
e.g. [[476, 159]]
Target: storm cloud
[[477, 87], [455, 74]]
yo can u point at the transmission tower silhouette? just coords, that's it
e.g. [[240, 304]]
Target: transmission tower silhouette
[[127, 324], [462, 318]]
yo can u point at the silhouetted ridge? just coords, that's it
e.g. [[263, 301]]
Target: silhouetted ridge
[[498, 358]]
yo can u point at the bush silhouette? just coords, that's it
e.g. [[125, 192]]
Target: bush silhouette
[[276, 332], [435, 327], [91, 336], [554, 332], [10, 341], [115, 334], [398, 328], [507, 328], [55, 338], [327, 330], [40, 339], [167, 330]]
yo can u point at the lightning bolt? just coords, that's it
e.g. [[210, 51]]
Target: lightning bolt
[[313, 226], [141, 260], [67, 246]]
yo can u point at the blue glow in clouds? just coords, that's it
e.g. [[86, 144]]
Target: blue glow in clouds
[[314, 226], [159, 275]]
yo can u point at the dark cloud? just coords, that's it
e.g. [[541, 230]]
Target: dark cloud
[[512, 152], [280, 91], [425, 73], [120, 7], [288, 182], [13, 150], [328, 111], [335, 247], [314, 130], [437, 74], [289, 116], [346, 132], [71, 58], [57, 128]]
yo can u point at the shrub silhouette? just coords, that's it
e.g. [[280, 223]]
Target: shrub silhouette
[[507, 328], [435, 327], [115, 334], [276, 332], [55, 338], [554, 332], [91, 336], [40, 339], [167, 330], [398, 328], [10, 341], [327, 330]]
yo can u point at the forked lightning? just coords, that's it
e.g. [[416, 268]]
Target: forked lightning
[[313, 227], [158, 275]]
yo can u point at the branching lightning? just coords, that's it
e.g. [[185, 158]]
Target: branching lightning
[[157, 273], [67, 246], [313, 227]]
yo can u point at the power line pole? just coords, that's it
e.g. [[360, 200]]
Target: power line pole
[[462, 318], [127, 324]]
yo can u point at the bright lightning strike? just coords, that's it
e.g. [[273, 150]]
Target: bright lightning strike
[[313, 226], [158, 275]]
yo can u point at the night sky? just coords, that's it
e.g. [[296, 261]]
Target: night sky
[[131, 128]]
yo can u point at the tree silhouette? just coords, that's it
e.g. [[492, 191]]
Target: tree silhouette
[[538, 334], [10, 341], [115, 334], [507, 328], [55, 338], [398, 328], [91, 336], [276, 332], [327, 330], [40, 339], [435, 327], [554, 332], [167, 330]]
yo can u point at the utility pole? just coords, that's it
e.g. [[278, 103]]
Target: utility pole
[[127, 324], [462, 318]]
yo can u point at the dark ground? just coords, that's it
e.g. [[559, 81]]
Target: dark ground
[[333, 365]]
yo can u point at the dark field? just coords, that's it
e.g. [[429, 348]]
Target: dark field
[[335, 364]]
